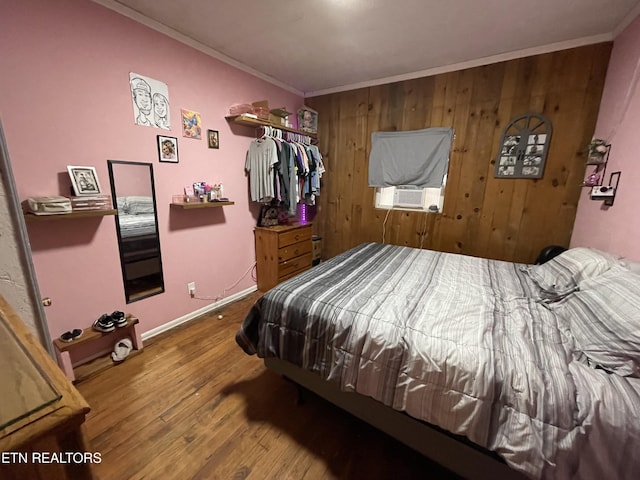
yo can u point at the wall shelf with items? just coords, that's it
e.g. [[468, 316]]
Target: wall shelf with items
[[607, 193], [191, 205], [250, 121], [598, 160], [31, 217]]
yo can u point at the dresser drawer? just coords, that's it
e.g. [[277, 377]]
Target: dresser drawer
[[293, 251], [293, 266], [291, 275], [294, 236], [282, 252]]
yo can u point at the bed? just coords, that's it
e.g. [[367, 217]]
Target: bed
[[136, 216], [537, 365]]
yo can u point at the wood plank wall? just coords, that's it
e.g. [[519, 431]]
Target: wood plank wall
[[507, 219]]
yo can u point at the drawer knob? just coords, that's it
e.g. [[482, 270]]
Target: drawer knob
[[297, 237]]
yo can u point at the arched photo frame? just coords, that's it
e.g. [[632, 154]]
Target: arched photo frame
[[524, 147]]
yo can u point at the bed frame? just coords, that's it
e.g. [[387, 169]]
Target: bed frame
[[455, 453]]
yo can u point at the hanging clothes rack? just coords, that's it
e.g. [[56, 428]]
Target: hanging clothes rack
[[274, 132], [284, 166]]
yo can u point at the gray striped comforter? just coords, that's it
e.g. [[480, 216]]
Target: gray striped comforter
[[460, 342]]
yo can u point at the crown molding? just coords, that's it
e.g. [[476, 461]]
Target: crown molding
[[170, 32], [626, 21], [528, 52]]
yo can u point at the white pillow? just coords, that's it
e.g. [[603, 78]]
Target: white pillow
[[562, 274], [604, 319]]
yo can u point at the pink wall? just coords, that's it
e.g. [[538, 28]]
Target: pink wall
[[617, 229], [65, 100]]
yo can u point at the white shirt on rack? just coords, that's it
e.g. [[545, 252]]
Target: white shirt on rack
[[261, 157]]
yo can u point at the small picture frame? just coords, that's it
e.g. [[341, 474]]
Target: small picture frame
[[84, 180], [167, 149], [308, 120], [213, 138]]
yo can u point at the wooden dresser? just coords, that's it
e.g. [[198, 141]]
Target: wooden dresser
[[282, 252], [41, 413]]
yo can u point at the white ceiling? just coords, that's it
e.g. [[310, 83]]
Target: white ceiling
[[321, 46]]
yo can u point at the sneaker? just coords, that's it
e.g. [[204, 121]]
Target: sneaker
[[119, 319], [104, 324], [71, 335]]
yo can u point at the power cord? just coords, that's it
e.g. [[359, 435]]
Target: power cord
[[254, 277], [384, 224], [424, 230]]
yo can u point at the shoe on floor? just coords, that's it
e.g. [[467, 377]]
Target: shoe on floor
[[119, 319], [104, 324], [71, 335], [121, 350]]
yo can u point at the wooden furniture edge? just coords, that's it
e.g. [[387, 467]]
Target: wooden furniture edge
[[72, 406]]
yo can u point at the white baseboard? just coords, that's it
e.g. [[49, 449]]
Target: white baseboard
[[197, 313]]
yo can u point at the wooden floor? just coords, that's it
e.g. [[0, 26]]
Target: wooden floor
[[193, 405]]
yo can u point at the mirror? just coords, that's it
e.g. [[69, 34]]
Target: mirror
[[133, 193]]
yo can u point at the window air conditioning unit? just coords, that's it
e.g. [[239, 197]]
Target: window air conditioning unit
[[408, 197]]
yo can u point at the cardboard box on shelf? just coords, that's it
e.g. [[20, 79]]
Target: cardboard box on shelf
[[279, 116]]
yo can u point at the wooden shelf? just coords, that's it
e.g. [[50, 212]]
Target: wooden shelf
[[96, 365], [190, 205], [89, 335], [257, 122], [30, 217]]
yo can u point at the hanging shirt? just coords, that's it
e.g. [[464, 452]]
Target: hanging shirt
[[293, 180], [282, 181], [317, 171], [261, 158]]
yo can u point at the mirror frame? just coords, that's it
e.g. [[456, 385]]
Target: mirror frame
[[160, 289]]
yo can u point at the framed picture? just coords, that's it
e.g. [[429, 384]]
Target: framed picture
[[191, 124], [84, 180], [167, 149], [213, 138], [308, 120], [524, 147]]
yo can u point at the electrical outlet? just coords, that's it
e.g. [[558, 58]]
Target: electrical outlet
[[192, 288]]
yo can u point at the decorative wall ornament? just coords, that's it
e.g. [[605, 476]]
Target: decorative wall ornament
[[213, 138], [597, 156], [598, 150], [150, 99], [524, 147], [84, 180], [308, 120], [167, 149], [191, 124]]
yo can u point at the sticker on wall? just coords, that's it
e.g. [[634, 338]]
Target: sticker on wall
[[150, 101], [191, 124]]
